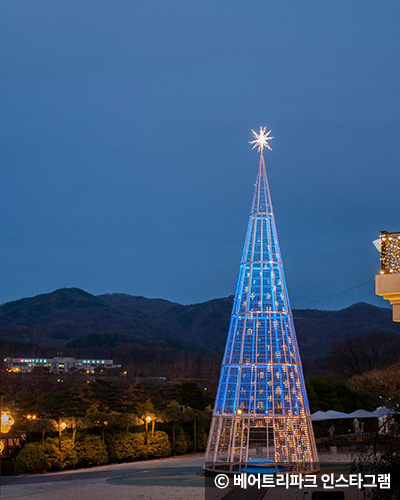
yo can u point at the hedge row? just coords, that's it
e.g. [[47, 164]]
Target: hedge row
[[91, 451], [131, 447]]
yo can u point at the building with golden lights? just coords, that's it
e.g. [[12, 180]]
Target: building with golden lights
[[387, 283]]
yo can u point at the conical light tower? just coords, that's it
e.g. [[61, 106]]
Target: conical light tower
[[261, 415]]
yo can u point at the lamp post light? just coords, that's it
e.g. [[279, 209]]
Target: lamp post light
[[148, 420], [61, 427], [6, 422]]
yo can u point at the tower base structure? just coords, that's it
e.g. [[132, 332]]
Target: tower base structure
[[255, 444]]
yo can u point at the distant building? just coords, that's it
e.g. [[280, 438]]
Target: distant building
[[58, 364]]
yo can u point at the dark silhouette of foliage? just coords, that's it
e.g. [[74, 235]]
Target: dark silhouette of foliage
[[31, 459], [383, 384], [159, 445], [193, 396], [364, 353], [91, 451], [43, 426], [174, 414], [126, 447]]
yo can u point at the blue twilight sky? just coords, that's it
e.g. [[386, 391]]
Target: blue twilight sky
[[125, 163]]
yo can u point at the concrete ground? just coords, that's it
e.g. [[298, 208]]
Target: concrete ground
[[103, 483], [178, 478]]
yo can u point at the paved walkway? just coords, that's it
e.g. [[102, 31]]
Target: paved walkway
[[176, 478]]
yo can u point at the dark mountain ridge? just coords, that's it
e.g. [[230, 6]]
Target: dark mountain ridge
[[140, 331]]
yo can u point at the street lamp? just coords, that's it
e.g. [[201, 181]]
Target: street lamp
[[61, 427], [148, 420], [6, 422]]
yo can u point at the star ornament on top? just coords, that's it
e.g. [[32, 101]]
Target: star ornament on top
[[261, 139]]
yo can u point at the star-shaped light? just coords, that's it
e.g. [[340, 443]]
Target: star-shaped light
[[261, 139]]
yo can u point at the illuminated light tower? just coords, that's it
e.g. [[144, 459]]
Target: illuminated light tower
[[261, 416]]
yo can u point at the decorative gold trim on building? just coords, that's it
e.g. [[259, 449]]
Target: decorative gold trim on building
[[388, 287]]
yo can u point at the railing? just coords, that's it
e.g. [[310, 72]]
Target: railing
[[390, 252]]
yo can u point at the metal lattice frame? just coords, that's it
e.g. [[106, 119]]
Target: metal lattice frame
[[261, 413]]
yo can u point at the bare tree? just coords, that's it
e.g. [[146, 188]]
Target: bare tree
[[364, 353]]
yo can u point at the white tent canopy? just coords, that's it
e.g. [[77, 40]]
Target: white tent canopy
[[379, 412], [318, 415], [361, 414], [333, 415]]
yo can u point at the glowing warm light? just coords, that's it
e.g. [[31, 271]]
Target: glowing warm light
[[390, 252], [148, 419], [261, 139], [239, 411], [63, 426], [6, 421]]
